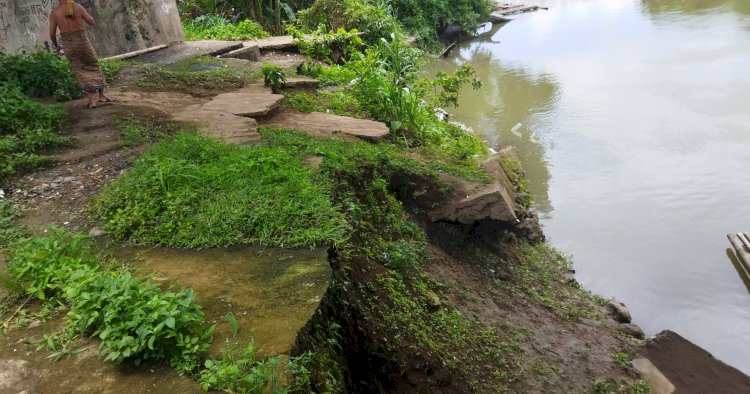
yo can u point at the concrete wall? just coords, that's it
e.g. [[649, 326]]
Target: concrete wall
[[121, 25]]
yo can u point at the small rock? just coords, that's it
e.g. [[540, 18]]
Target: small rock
[[54, 185], [632, 330], [2, 194], [58, 180], [96, 232], [619, 311], [68, 179]]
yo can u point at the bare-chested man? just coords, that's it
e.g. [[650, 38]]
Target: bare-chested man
[[69, 17]]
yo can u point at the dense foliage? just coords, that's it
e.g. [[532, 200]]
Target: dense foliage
[[25, 128], [214, 27], [373, 20], [195, 192]]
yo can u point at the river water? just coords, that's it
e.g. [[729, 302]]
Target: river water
[[635, 136]]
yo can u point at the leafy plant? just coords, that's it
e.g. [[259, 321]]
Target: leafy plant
[[9, 231], [215, 27], [373, 19], [134, 319], [112, 67], [241, 371], [327, 45], [274, 77], [26, 127]]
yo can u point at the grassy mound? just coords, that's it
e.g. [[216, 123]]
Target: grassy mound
[[194, 192]]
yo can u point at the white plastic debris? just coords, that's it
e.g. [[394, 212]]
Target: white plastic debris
[[514, 130]]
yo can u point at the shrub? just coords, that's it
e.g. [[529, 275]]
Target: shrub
[[214, 27], [25, 128], [373, 20], [39, 74], [327, 45], [195, 192]]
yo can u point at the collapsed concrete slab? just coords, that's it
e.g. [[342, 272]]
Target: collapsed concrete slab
[[322, 124], [472, 202]]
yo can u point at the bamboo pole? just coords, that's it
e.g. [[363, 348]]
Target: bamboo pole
[[741, 244], [136, 53]]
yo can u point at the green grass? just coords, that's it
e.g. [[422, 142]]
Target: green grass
[[194, 192], [26, 128], [141, 129], [187, 74]]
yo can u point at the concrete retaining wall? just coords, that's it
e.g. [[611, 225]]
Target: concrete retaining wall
[[122, 25]]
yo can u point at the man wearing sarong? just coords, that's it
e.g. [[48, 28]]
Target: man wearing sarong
[[69, 16]]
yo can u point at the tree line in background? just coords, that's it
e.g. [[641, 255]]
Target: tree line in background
[[423, 19]]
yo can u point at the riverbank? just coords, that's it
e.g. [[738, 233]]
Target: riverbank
[[441, 281]]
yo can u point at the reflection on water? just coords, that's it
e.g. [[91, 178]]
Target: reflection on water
[[509, 96], [635, 137]]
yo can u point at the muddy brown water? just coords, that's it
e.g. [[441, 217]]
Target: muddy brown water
[[635, 135]]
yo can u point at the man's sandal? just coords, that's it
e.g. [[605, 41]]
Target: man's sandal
[[108, 100], [89, 106]]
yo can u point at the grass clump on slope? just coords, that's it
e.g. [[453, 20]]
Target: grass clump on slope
[[194, 192]]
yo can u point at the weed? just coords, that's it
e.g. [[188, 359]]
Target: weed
[[274, 77], [621, 358], [112, 67], [9, 231], [240, 371]]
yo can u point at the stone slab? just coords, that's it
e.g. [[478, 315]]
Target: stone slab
[[219, 124], [322, 124], [272, 43], [659, 383], [252, 101], [301, 82], [251, 53]]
